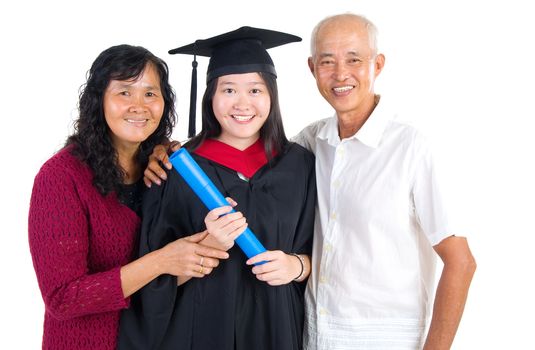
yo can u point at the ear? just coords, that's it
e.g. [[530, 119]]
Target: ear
[[379, 64], [311, 65]]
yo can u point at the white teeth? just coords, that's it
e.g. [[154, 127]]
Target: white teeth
[[242, 118], [136, 120], [342, 88]]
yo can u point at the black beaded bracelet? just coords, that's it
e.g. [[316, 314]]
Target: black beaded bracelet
[[302, 261]]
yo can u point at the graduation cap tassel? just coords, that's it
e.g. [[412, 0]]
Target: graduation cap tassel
[[193, 98]]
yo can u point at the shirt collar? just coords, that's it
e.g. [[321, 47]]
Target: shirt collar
[[369, 134]]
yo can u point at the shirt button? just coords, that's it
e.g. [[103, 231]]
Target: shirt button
[[336, 184], [323, 311], [328, 247], [333, 216], [323, 279]]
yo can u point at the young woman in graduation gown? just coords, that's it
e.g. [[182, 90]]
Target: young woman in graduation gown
[[243, 150]]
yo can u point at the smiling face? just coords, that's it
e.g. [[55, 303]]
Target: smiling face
[[241, 105], [133, 108], [345, 65]]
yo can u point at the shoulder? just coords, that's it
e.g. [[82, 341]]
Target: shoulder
[[62, 166], [307, 136], [407, 135], [296, 157], [315, 127], [296, 150]]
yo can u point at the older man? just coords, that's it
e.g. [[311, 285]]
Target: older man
[[380, 216]]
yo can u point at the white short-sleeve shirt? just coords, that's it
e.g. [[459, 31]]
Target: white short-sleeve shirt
[[379, 214]]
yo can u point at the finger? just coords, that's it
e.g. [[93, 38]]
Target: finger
[[152, 177], [267, 277], [265, 256], [147, 181], [194, 270], [276, 282], [210, 262], [165, 161], [235, 228], [231, 201], [231, 221], [159, 152], [236, 233], [268, 267], [155, 167], [216, 213], [197, 237], [207, 270], [174, 146], [158, 156], [211, 252]]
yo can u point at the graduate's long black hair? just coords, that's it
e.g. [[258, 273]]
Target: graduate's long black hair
[[272, 132], [91, 137]]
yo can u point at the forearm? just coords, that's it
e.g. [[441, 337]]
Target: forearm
[[450, 299], [140, 272]]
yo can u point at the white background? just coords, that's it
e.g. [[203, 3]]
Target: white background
[[460, 71]]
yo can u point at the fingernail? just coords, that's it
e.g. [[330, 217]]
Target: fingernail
[[164, 176], [168, 166]]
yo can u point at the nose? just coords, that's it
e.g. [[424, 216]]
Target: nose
[[138, 104], [242, 102], [340, 72]]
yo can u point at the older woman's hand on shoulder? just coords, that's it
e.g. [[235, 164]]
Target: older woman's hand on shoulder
[[159, 158]]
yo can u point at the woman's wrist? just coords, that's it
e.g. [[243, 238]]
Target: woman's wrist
[[301, 275]]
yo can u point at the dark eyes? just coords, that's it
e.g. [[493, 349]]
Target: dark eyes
[[352, 61], [355, 60]]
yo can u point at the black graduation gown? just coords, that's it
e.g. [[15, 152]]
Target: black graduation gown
[[228, 309]]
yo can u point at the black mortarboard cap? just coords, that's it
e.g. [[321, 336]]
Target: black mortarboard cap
[[240, 51]]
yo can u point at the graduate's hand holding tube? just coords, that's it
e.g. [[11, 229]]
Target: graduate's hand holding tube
[[224, 226], [280, 268]]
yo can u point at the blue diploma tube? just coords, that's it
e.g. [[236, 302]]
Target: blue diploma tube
[[205, 189]]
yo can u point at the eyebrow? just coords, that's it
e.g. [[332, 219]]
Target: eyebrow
[[248, 83], [122, 85], [328, 54]]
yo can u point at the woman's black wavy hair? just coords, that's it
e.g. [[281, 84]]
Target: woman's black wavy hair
[[91, 137], [272, 132]]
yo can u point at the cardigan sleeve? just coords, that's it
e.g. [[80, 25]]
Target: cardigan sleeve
[[58, 229]]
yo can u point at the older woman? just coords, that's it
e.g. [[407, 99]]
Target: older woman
[[84, 211]]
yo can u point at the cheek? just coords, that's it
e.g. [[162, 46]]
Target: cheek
[[111, 110], [323, 76], [157, 109], [264, 106], [365, 74], [220, 106]]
